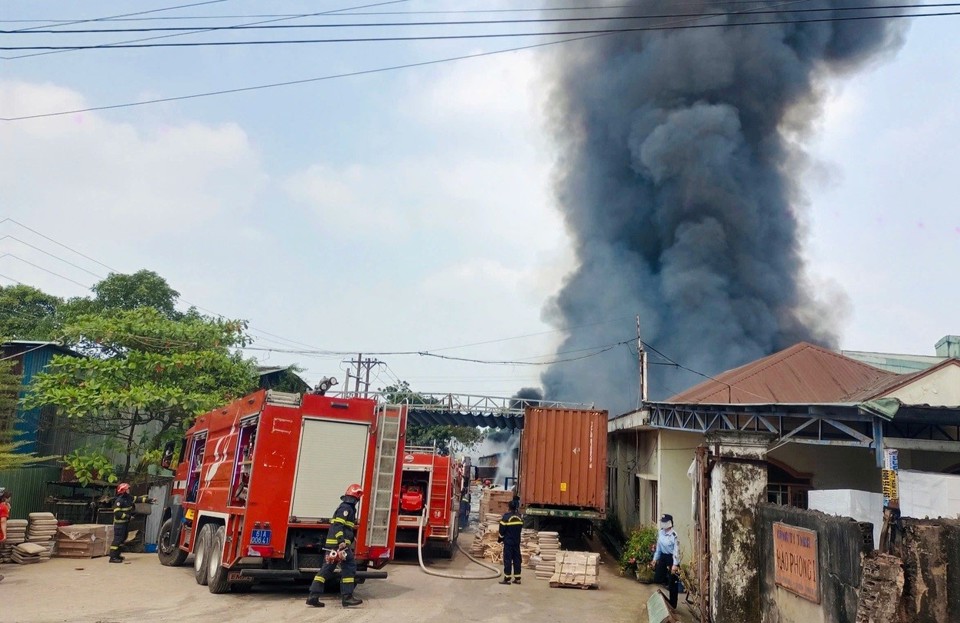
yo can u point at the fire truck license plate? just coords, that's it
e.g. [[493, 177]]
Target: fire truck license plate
[[260, 537]]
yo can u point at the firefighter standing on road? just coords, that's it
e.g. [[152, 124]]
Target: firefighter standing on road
[[123, 506], [511, 526], [339, 545]]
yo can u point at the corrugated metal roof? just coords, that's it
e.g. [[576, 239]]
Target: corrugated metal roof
[[803, 373]]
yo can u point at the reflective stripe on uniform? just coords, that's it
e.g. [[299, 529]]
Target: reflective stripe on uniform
[[512, 522], [346, 581], [318, 578], [340, 520]]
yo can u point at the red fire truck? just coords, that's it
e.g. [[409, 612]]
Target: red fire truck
[[430, 488], [260, 478]]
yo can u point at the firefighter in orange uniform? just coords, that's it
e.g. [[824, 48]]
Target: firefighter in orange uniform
[[341, 539], [123, 506]]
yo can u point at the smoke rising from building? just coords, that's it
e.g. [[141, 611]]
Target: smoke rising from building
[[678, 179]]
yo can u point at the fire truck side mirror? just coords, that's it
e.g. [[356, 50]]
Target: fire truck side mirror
[[167, 459]]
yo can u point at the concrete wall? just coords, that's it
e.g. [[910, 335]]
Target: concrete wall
[[629, 453], [930, 551], [677, 451], [939, 388], [738, 485], [840, 543]]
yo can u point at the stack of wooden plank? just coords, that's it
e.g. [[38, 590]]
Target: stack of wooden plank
[[16, 534], [576, 570], [548, 544], [29, 553], [41, 530], [485, 542], [84, 540]]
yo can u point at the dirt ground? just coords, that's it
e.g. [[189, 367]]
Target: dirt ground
[[142, 591]]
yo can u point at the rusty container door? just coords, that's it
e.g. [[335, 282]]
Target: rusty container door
[[563, 458]]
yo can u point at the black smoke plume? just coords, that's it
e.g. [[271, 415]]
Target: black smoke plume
[[525, 397], [678, 180]]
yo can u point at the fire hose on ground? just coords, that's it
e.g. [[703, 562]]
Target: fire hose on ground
[[495, 570]]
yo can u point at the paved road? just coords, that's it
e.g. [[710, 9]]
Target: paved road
[[142, 591]]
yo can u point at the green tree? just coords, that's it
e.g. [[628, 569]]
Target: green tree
[[27, 313], [118, 292], [9, 390], [443, 436], [146, 377]]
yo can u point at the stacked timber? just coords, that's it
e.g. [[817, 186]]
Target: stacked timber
[[485, 540], [16, 534], [41, 530], [548, 546], [576, 570]]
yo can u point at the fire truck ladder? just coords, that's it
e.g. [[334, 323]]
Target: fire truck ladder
[[388, 450]]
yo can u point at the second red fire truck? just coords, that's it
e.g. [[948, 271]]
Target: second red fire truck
[[260, 478], [430, 490]]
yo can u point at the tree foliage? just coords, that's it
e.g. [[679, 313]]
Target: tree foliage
[[119, 292], [146, 374], [443, 436], [9, 390], [29, 314]]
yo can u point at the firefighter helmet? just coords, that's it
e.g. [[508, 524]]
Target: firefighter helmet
[[123, 487], [354, 490]]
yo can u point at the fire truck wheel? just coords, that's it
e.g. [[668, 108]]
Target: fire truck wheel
[[443, 550], [217, 574], [201, 554], [170, 555]]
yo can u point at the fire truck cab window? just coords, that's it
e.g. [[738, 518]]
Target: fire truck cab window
[[197, 448], [243, 463]]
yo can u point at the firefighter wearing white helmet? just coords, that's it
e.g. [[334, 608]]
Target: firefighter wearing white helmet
[[341, 539], [123, 506]]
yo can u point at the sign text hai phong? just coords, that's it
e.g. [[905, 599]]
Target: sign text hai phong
[[796, 563]]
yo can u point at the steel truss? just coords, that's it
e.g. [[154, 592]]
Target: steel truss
[[843, 424]]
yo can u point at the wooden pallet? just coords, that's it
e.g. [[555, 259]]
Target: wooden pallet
[[576, 570]]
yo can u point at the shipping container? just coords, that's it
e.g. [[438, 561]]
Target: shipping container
[[563, 462]]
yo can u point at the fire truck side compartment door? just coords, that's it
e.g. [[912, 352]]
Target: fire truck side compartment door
[[332, 457]]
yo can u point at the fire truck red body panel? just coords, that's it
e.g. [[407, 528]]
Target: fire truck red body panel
[[439, 478], [269, 469]]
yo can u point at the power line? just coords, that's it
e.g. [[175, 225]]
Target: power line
[[202, 29], [111, 17], [345, 12], [60, 244], [314, 79], [77, 266], [500, 35], [56, 274], [546, 20]]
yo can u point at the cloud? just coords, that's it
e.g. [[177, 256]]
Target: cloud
[[92, 174]]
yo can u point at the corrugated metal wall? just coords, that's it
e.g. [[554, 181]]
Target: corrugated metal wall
[[28, 420], [152, 529], [29, 487]]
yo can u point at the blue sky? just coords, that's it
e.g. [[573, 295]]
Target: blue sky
[[412, 210]]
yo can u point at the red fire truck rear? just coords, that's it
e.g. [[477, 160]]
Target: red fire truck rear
[[430, 490], [260, 478]]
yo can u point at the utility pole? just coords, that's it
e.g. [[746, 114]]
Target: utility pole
[[642, 356], [363, 366]]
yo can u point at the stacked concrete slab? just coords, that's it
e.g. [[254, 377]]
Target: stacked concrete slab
[[16, 534]]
